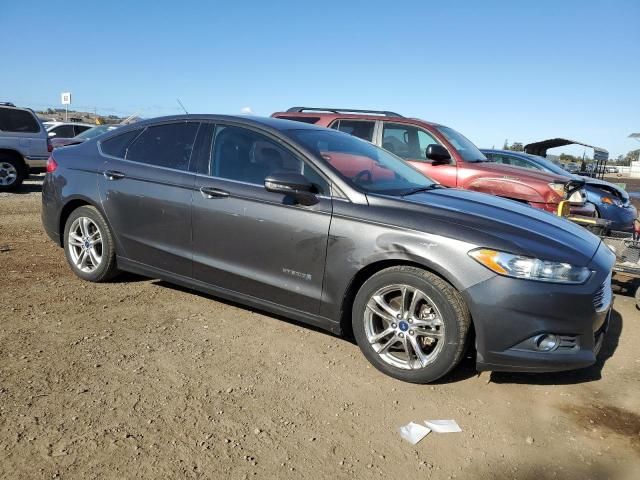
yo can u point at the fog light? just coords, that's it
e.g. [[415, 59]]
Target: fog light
[[547, 342]]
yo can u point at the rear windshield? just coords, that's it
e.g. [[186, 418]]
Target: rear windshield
[[467, 150]]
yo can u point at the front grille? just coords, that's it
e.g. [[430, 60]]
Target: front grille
[[602, 297]]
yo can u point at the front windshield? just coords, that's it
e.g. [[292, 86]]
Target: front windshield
[[94, 132], [363, 165], [467, 150]]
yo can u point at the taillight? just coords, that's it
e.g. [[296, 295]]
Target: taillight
[[51, 165], [49, 145]]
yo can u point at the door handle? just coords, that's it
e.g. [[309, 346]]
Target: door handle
[[208, 192], [113, 175]]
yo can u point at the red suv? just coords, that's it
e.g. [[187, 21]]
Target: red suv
[[444, 155]]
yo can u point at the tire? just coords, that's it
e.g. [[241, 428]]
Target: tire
[[437, 323], [13, 171], [638, 298], [89, 245]]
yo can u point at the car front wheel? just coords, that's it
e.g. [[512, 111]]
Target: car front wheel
[[88, 245], [410, 324]]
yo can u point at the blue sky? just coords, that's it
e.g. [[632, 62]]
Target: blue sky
[[494, 70]]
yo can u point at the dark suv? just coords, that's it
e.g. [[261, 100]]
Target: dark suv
[[445, 155], [328, 229]]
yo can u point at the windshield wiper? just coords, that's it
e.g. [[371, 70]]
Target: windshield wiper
[[433, 186]]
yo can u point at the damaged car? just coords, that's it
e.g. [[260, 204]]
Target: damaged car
[[325, 228]]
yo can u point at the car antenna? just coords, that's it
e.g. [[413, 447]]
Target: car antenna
[[180, 103]]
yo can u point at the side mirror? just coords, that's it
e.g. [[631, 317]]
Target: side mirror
[[292, 184], [438, 154]]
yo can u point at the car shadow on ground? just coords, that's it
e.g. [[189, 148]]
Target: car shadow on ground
[[231, 303], [32, 185], [467, 367]]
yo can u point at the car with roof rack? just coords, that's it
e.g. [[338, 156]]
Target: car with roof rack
[[445, 155], [24, 145]]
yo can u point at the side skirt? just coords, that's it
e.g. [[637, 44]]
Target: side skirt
[[148, 271]]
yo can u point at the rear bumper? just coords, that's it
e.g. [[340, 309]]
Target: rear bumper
[[36, 162], [621, 218], [510, 314]]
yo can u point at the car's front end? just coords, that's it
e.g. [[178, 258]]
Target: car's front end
[[612, 204], [529, 325]]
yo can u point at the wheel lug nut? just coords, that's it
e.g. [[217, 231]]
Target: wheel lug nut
[[399, 316], [410, 332], [393, 325], [410, 321], [401, 335]]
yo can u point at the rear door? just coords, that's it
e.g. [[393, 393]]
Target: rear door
[[254, 242], [410, 143], [146, 192]]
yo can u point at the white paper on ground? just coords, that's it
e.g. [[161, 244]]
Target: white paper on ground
[[443, 426], [413, 432]]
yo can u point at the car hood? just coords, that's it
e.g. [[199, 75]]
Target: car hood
[[523, 174], [606, 185], [494, 222]]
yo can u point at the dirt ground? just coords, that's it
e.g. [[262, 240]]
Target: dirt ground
[[140, 379]]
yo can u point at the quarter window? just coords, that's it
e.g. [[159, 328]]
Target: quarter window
[[406, 141], [167, 145], [117, 146], [247, 156], [358, 128], [14, 120]]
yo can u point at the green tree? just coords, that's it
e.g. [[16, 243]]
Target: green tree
[[632, 156], [517, 147]]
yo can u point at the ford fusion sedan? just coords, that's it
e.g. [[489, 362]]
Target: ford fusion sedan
[[328, 229]]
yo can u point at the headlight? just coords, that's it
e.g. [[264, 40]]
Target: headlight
[[518, 266], [611, 201], [558, 188]]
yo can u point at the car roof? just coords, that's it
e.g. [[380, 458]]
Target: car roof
[[355, 116], [269, 122]]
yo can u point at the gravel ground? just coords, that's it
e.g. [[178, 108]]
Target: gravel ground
[[140, 379]]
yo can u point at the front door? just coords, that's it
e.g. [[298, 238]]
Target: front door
[[251, 241], [410, 143], [146, 194]]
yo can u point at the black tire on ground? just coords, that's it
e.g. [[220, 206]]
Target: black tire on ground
[[21, 171], [638, 298], [455, 316], [107, 268]]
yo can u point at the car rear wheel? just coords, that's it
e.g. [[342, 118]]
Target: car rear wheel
[[12, 172], [88, 245], [410, 324]]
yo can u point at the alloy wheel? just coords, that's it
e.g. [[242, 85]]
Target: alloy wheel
[[85, 244], [8, 174], [404, 326]]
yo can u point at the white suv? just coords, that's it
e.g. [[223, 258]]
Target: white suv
[[24, 145]]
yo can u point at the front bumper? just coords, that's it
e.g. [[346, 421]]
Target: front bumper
[[621, 218], [509, 313]]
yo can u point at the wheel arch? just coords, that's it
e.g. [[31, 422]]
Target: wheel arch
[[14, 153], [71, 205], [371, 269]]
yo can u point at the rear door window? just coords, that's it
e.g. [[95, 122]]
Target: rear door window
[[63, 131], [167, 145], [406, 141], [358, 128], [15, 120]]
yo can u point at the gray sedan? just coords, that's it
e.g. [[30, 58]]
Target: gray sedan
[[330, 230]]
